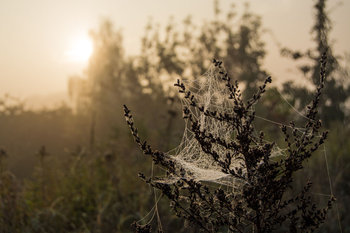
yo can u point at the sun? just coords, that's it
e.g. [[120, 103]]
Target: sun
[[79, 50]]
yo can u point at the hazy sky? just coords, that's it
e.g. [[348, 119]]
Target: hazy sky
[[35, 35]]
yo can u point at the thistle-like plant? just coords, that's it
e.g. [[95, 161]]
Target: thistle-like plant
[[261, 201]]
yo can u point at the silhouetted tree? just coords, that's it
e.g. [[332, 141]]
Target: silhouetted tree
[[336, 92], [181, 53]]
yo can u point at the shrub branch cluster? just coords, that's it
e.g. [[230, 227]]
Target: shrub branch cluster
[[263, 202]]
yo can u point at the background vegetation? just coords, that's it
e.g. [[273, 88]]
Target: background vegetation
[[75, 169]]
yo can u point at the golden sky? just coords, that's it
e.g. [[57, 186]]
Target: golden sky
[[38, 38]]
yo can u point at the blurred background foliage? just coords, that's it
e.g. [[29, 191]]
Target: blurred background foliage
[[74, 168]]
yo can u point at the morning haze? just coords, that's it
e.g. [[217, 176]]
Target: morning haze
[[179, 116], [37, 34]]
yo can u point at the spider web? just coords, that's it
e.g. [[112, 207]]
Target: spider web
[[211, 92]]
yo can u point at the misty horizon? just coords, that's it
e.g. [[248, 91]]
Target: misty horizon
[[45, 62]]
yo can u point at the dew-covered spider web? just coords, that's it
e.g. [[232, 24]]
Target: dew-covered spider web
[[210, 92]]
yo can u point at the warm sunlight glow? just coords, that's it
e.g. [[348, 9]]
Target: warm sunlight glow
[[80, 50]]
